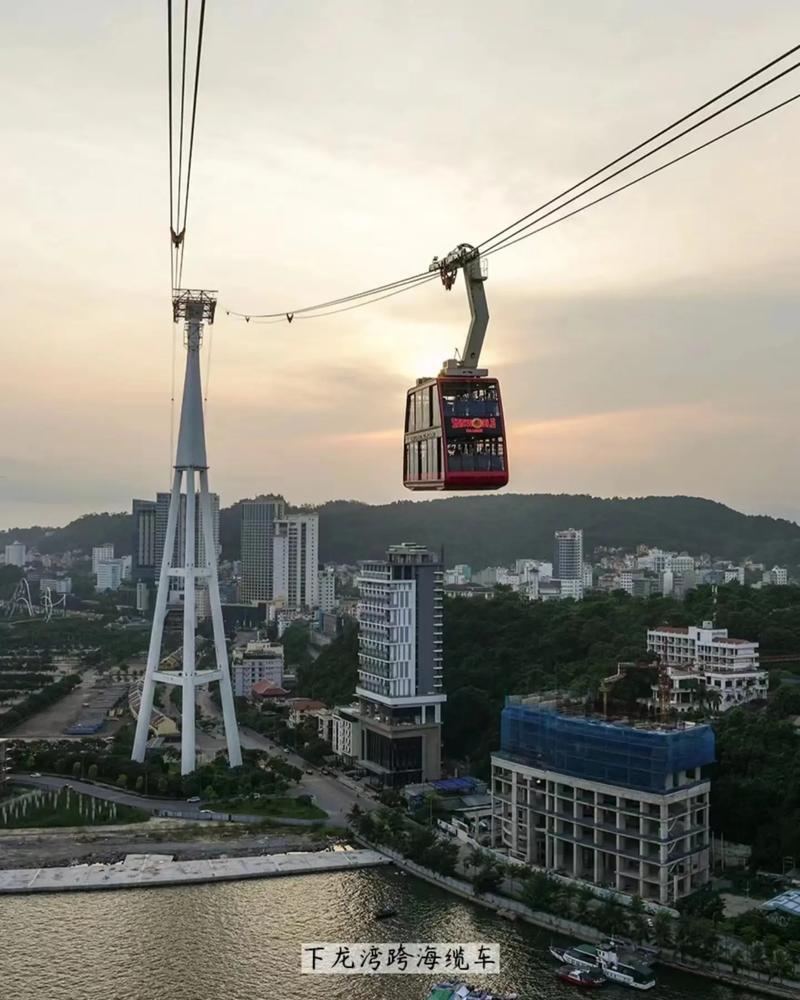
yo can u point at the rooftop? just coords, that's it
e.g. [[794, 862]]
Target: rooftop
[[788, 902], [263, 689]]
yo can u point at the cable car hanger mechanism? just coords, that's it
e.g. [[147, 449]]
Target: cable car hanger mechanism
[[468, 259]]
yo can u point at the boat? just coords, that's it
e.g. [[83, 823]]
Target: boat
[[383, 912], [585, 978], [608, 958], [463, 991]]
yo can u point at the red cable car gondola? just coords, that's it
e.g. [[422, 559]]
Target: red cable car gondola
[[454, 429]]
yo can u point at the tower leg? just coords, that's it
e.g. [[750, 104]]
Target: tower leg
[[188, 754], [159, 614], [220, 646]]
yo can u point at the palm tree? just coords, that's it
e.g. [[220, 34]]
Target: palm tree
[[583, 902], [662, 929], [566, 896]]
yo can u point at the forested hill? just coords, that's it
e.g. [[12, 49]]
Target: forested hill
[[489, 530], [494, 530]]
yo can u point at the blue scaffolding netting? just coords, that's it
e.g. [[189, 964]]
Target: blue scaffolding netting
[[642, 758]]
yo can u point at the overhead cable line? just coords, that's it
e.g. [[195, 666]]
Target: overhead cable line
[[191, 131], [696, 149], [489, 245], [420, 279], [517, 231], [179, 186], [289, 314], [171, 155], [656, 135]]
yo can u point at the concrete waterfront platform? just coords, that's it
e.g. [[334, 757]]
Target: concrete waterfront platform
[[145, 870]]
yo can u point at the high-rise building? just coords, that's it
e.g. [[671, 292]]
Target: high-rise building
[[144, 540], [16, 554], [109, 574], [295, 560], [327, 589], [568, 555], [142, 596], [257, 537], [179, 552], [400, 666], [101, 553], [621, 806]]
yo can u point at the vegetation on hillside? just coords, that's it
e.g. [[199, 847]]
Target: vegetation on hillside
[[521, 525], [332, 677], [511, 646], [82, 533]]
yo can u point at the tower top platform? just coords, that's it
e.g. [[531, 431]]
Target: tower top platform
[[194, 304]]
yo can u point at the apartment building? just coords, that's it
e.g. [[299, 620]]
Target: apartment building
[[621, 806]]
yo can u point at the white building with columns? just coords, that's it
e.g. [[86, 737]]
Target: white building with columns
[[707, 656]]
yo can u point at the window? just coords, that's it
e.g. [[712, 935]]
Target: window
[[411, 424]]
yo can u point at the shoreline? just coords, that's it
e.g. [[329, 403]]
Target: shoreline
[[503, 906]]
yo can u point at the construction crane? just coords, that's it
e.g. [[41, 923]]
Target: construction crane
[[623, 669]]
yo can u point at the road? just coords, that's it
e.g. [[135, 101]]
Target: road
[[188, 810], [335, 795], [329, 793]]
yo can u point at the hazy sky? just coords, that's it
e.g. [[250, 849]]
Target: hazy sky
[[648, 346]]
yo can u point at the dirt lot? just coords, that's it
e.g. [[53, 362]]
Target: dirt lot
[[54, 720], [57, 848]]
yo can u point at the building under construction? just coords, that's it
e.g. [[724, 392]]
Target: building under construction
[[624, 806]]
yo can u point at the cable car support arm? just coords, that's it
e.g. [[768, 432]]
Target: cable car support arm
[[467, 258]]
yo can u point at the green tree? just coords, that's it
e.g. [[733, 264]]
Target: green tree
[[662, 929], [540, 892], [488, 878], [122, 780], [611, 918], [91, 773], [583, 903], [637, 918]]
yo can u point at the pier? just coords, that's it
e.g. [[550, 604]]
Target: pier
[[139, 871]]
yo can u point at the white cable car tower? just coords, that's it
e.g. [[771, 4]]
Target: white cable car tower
[[195, 308]]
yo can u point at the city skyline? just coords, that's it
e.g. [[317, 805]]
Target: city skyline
[[645, 348]]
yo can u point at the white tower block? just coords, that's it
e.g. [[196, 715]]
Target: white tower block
[[195, 307]]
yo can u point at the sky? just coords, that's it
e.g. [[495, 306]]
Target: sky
[[648, 346]]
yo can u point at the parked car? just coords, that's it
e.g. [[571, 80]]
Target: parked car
[[194, 798]]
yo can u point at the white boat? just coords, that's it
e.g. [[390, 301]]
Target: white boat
[[463, 991], [608, 959]]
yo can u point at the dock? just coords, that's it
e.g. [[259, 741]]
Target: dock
[[140, 871]]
